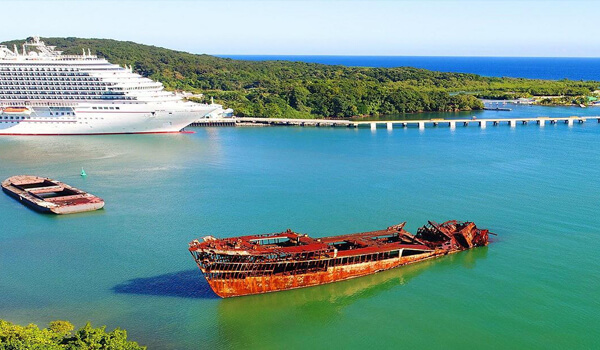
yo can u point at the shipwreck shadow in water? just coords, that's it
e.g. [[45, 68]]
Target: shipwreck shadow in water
[[182, 284]]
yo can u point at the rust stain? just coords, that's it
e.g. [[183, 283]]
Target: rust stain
[[280, 261]]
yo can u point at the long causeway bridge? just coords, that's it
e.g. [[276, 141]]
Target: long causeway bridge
[[391, 124]]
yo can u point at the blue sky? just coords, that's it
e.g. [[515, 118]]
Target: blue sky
[[312, 27]]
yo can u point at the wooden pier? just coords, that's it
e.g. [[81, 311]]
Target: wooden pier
[[297, 122], [215, 122], [391, 124], [497, 109]]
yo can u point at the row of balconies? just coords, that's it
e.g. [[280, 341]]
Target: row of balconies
[[60, 88], [61, 97], [51, 83], [30, 68], [77, 93], [31, 77], [14, 74], [45, 88]]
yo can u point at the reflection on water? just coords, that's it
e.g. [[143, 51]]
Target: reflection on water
[[320, 305], [46, 149], [107, 155]]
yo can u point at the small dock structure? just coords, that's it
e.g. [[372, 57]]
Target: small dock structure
[[292, 122], [214, 122], [497, 109]]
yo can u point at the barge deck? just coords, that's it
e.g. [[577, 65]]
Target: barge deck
[[50, 196]]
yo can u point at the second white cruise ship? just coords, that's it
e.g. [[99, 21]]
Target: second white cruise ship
[[43, 92]]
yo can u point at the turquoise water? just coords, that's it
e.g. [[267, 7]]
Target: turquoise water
[[534, 287]]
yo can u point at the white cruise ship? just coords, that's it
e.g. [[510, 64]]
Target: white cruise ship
[[43, 92]]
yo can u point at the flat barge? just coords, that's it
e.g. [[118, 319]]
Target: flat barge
[[280, 261], [50, 196]]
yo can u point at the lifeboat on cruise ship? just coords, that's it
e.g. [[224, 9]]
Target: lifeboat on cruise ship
[[16, 110]]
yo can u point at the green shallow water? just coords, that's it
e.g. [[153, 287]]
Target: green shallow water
[[535, 286]]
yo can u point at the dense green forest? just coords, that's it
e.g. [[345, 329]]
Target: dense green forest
[[297, 89], [59, 336]]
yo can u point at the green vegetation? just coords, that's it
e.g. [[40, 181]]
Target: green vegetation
[[59, 336], [308, 90]]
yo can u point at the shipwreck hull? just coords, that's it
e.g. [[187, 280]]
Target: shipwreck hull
[[288, 260], [230, 287]]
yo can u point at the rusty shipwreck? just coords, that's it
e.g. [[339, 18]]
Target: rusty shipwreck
[[280, 261], [50, 196]]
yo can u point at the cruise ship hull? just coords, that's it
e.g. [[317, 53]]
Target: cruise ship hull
[[43, 92], [92, 122]]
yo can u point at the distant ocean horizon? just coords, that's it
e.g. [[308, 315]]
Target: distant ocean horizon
[[554, 68]]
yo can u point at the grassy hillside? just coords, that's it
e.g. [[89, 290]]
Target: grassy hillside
[[296, 89]]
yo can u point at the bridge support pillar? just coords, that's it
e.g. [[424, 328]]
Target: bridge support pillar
[[373, 126], [512, 123], [452, 125], [421, 125], [390, 126], [542, 122], [570, 122], [482, 124]]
